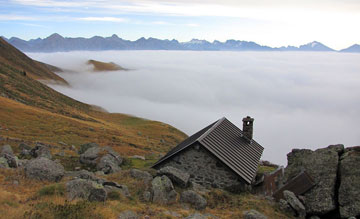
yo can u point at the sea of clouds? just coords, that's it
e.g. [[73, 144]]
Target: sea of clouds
[[298, 99]]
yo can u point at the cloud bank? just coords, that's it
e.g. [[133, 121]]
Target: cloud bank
[[298, 100]]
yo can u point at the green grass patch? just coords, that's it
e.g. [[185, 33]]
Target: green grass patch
[[130, 163], [54, 189], [265, 169]]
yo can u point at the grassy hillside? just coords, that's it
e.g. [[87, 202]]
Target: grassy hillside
[[32, 111]]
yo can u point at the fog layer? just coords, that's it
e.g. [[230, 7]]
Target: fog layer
[[298, 100]]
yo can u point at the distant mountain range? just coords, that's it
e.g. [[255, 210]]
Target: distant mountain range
[[58, 43]]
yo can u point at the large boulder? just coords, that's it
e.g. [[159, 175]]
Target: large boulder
[[177, 176], [102, 158], [196, 200], [44, 169], [85, 189], [141, 175], [349, 191], [7, 153], [3, 163], [162, 190], [85, 147], [295, 203], [41, 150], [322, 166]]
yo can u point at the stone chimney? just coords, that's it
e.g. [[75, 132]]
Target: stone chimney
[[248, 128]]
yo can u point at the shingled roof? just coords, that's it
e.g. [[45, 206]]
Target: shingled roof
[[226, 142]]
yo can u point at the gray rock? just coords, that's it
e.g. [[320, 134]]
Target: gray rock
[[44, 169], [6, 150], [172, 214], [41, 150], [162, 190], [113, 186], [147, 196], [3, 163], [285, 207], [141, 175], [103, 158], [85, 147], [196, 216], [12, 160], [22, 163], [108, 164], [198, 188], [253, 214], [196, 200], [295, 203], [349, 191], [177, 176], [128, 215], [138, 157], [322, 166], [82, 174], [23, 146], [85, 189]]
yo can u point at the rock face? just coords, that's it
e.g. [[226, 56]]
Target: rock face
[[322, 166], [177, 176], [85, 147], [196, 200], [253, 214], [44, 169], [162, 190], [85, 189], [349, 191], [295, 203], [102, 158]]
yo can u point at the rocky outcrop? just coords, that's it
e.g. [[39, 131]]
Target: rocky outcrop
[[253, 214], [162, 190], [41, 150], [85, 189], [102, 158], [177, 176], [85, 147], [349, 191], [322, 166], [141, 175], [197, 201], [7, 154], [295, 203], [44, 169]]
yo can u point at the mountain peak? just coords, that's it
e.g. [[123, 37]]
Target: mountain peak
[[55, 36]]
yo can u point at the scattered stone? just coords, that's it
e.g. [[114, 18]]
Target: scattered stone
[[85, 189], [3, 163], [295, 203], [103, 158], [322, 166], [128, 215], [253, 214], [138, 157], [44, 169], [15, 182], [141, 175], [113, 186], [285, 207], [73, 148], [198, 188], [172, 214], [147, 196], [62, 143], [177, 176], [85, 147], [196, 200], [41, 150], [196, 216], [6, 150], [349, 191], [162, 190]]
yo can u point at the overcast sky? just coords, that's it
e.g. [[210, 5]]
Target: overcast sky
[[298, 99], [273, 23]]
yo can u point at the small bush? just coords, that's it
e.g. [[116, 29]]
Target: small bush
[[54, 189], [114, 195]]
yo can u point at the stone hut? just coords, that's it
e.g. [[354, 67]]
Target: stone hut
[[220, 156]]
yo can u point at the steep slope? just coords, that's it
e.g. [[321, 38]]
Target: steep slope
[[12, 58], [31, 111], [103, 66]]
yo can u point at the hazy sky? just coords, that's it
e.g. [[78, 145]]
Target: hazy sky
[[298, 100], [273, 23]]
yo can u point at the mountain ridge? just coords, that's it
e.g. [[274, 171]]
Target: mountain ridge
[[58, 43]]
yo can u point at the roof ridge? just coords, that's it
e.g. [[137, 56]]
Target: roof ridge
[[211, 129]]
